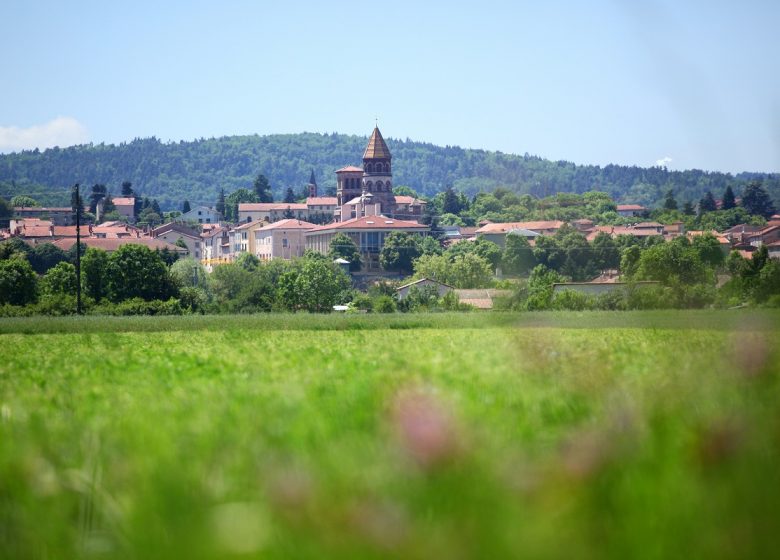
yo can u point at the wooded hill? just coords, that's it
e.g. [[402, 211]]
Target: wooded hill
[[195, 171]]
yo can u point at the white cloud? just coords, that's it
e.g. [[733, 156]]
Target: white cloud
[[62, 132], [663, 162]]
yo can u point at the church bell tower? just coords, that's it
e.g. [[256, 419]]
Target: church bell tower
[[377, 173]]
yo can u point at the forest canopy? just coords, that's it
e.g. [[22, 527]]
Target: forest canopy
[[196, 171]]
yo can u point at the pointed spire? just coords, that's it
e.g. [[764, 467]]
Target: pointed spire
[[312, 180], [377, 148]]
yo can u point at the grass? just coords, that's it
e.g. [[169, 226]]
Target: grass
[[634, 435]]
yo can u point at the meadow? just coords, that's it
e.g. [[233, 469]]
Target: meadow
[[549, 435]]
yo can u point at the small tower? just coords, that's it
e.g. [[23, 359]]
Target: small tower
[[312, 186], [377, 172]]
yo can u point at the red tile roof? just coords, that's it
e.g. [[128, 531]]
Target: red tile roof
[[404, 199], [630, 207], [288, 224], [371, 222], [508, 226], [124, 201], [269, 206], [322, 201], [350, 169], [112, 244]]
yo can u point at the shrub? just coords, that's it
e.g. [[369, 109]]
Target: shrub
[[384, 304]]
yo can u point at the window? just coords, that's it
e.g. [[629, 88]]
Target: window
[[284, 242]]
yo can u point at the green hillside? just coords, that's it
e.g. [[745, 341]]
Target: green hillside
[[196, 170]]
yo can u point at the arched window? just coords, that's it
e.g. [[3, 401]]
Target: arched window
[[379, 186], [387, 168], [369, 167], [388, 186], [369, 185]]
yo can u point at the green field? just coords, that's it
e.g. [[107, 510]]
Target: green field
[[577, 435]]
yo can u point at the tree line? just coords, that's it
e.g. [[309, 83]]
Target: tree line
[[197, 170]]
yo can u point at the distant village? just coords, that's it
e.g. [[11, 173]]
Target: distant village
[[364, 208]]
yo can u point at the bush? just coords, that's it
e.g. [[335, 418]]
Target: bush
[[138, 306], [384, 304], [193, 300], [571, 300]]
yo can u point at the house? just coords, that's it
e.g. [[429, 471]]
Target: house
[[409, 208], [200, 215], [172, 232], [284, 239], [243, 237], [630, 210], [403, 291], [270, 212], [321, 209], [112, 244], [482, 298], [774, 250], [58, 216], [125, 207], [496, 232], [215, 246], [368, 232], [110, 230]]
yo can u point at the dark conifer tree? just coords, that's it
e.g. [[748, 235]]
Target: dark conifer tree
[[729, 201]]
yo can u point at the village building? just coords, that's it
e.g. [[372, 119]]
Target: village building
[[368, 232], [125, 207], [441, 288], [631, 210], [270, 212], [113, 243], [284, 239], [497, 232], [200, 215], [174, 232], [215, 246], [58, 216]]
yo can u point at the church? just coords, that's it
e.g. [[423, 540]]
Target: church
[[368, 191]]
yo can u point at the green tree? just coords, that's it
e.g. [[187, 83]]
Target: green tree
[[756, 200], [688, 209], [220, 205], [463, 271], [289, 196], [709, 249], [670, 203], [94, 273], [188, 272], [729, 200], [234, 199], [45, 256], [18, 281], [673, 263], [342, 246], [185, 207], [15, 246], [262, 189], [400, 251], [312, 285], [450, 202], [22, 201], [707, 203], [127, 189], [59, 280], [518, 258], [6, 212], [605, 252], [137, 271], [98, 192]]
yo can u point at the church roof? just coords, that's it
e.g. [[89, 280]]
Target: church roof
[[312, 180], [350, 169], [376, 149]]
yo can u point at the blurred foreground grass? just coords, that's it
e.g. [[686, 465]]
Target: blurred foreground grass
[[636, 436]]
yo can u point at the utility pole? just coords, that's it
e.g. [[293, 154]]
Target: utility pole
[[77, 198]]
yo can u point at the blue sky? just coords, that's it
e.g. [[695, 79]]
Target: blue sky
[[695, 84]]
